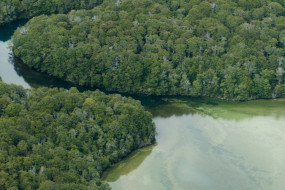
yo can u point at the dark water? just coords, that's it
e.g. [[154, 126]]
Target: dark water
[[8, 72], [202, 144], [13, 71]]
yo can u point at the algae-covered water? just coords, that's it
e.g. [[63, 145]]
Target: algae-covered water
[[206, 144]]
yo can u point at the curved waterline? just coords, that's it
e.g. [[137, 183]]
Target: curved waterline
[[202, 143], [129, 164], [240, 147]]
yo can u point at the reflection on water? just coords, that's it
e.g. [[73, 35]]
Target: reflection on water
[[241, 147], [36, 79], [167, 110], [13, 71], [7, 31], [7, 71], [201, 143], [217, 108], [132, 162]]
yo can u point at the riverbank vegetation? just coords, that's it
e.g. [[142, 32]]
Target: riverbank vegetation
[[226, 110], [224, 49], [12, 10], [63, 139]]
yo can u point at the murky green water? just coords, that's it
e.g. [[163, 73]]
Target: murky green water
[[202, 144], [206, 144]]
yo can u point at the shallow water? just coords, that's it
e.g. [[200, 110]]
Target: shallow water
[[242, 147], [202, 144]]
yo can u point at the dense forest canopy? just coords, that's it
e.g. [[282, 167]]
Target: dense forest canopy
[[63, 139], [220, 48], [11, 10]]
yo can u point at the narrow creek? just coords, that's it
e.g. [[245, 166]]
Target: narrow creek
[[201, 143]]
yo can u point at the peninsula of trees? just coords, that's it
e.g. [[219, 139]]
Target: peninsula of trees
[[12, 10], [63, 139], [218, 48]]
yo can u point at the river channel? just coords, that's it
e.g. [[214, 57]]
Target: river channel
[[201, 144]]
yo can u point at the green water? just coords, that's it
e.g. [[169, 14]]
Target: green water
[[202, 144], [205, 144]]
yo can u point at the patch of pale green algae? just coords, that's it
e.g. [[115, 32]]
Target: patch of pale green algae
[[127, 165], [222, 109], [205, 107]]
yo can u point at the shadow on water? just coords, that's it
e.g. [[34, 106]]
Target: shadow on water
[[166, 107], [167, 110], [218, 109], [159, 106], [7, 31], [177, 131], [30, 78], [37, 79], [20, 73]]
